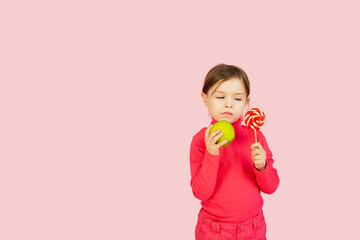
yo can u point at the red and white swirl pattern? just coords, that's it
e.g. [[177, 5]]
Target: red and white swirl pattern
[[254, 118]]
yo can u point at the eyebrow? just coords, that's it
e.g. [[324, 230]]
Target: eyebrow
[[235, 93]]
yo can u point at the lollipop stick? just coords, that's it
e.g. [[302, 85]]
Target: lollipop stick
[[255, 135]]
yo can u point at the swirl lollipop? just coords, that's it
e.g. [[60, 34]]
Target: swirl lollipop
[[254, 118]]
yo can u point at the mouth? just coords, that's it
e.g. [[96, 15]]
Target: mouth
[[227, 113]]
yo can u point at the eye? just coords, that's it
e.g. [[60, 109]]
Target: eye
[[238, 99], [219, 97]]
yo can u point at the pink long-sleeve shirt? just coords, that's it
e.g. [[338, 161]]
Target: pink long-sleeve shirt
[[228, 184]]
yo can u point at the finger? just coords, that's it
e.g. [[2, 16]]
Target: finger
[[259, 165], [255, 151], [256, 145], [215, 133], [259, 157], [217, 137], [258, 152], [255, 156], [222, 143], [258, 161], [260, 146]]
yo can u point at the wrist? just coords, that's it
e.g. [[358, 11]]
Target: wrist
[[214, 153]]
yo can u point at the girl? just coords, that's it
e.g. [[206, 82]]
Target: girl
[[228, 180]]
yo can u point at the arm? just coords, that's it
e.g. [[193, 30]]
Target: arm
[[267, 179], [204, 167]]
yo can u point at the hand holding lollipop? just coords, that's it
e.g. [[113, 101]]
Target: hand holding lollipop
[[254, 118]]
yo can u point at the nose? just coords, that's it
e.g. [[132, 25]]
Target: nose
[[229, 104]]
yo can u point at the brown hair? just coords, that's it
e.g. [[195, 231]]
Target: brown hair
[[223, 72]]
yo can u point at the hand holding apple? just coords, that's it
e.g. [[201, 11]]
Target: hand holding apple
[[211, 141], [227, 129], [218, 135]]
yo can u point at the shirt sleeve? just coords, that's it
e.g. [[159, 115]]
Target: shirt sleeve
[[267, 179], [204, 167]]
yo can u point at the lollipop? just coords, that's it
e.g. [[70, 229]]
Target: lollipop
[[254, 118]]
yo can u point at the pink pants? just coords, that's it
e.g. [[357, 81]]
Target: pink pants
[[207, 229]]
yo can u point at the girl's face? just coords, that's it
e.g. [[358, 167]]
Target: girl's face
[[228, 101]]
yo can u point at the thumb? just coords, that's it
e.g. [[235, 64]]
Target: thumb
[[208, 130]]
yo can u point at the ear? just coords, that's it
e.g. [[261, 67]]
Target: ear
[[204, 97], [247, 101]]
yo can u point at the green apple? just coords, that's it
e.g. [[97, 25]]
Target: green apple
[[227, 129]]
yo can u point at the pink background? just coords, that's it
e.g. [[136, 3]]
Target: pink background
[[100, 99]]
